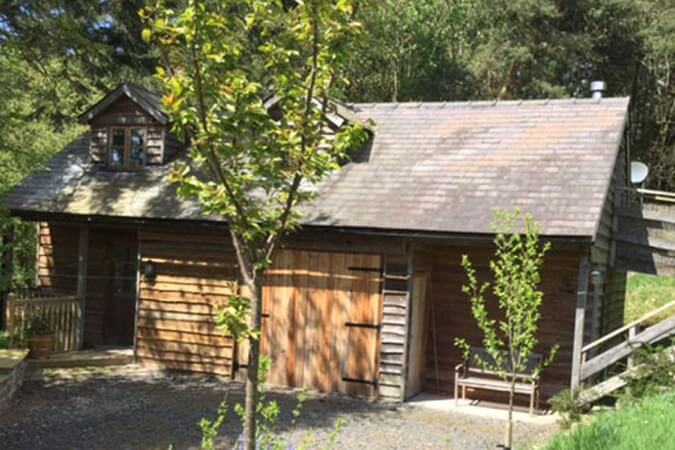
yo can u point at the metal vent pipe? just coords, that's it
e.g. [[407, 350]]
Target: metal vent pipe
[[597, 88]]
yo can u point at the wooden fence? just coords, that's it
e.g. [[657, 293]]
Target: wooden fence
[[630, 337], [619, 346], [62, 313]]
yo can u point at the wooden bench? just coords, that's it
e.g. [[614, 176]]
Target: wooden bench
[[470, 375]]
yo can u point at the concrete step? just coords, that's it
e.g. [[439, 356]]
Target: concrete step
[[85, 358]]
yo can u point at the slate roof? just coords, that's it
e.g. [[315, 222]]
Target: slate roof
[[431, 167]]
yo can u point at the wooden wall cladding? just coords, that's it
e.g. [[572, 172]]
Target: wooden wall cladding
[[57, 271], [320, 315], [451, 311], [196, 271], [124, 112], [57, 257], [605, 313]]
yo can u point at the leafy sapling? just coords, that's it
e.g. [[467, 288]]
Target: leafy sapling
[[510, 339]]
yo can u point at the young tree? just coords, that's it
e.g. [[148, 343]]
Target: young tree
[[223, 62], [510, 339]]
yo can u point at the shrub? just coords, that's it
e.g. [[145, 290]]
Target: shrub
[[654, 374], [37, 326], [569, 411], [4, 340]]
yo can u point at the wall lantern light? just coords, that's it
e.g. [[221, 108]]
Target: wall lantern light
[[149, 271], [596, 278]]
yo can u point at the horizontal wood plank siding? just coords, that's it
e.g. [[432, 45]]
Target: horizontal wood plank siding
[[57, 257], [98, 146], [154, 149], [196, 271], [122, 112], [613, 313], [172, 146], [604, 312], [394, 326]]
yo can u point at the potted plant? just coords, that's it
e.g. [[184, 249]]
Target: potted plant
[[40, 338]]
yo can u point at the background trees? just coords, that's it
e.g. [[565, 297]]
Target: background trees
[[58, 56], [481, 49]]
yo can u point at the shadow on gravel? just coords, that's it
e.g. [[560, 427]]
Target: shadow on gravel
[[96, 409]]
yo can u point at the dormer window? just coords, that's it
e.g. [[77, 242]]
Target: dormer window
[[130, 131], [127, 148]]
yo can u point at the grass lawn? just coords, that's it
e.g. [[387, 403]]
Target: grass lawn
[[645, 293], [648, 425]]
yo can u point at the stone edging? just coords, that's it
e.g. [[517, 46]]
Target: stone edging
[[12, 371]]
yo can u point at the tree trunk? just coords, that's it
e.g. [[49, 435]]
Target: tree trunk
[[251, 391], [508, 435]]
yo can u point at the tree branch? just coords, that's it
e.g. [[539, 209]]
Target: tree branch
[[214, 164]]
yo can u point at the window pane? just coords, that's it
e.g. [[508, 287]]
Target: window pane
[[137, 147], [117, 147], [118, 137]]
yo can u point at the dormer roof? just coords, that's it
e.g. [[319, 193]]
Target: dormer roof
[[148, 101]]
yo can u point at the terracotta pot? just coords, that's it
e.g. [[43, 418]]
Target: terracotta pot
[[41, 347]]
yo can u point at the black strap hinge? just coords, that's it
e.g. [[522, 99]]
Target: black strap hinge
[[360, 381], [372, 326], [365, 269]]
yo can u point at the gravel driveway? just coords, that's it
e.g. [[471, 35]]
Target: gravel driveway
[[132, 408]]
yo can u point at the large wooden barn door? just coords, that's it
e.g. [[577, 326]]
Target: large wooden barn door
[[321, 321]]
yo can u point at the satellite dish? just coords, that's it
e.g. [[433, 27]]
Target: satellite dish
[[638, 172]]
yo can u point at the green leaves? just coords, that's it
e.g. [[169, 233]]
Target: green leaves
[[233, 318], [247, 81], [518, 259]]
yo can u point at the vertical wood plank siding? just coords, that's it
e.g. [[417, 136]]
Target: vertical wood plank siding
[[320, 312], [453, 319], [196, 271], [394, 297]]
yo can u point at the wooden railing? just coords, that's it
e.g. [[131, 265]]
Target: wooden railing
[[628, 196], [62, 313], [629, 337]]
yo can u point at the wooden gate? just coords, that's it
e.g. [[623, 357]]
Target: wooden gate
[[321, 321]]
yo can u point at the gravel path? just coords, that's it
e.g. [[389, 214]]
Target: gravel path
[[132, 408]]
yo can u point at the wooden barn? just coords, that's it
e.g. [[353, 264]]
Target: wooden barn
[[365, 299]]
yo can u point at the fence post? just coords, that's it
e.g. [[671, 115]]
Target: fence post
[[6, 268], [82, 254], [579, 319], [632, 331], [11, 305]]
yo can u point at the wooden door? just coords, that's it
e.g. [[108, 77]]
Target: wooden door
[[321, 317], [120, 302], [417, 349]]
